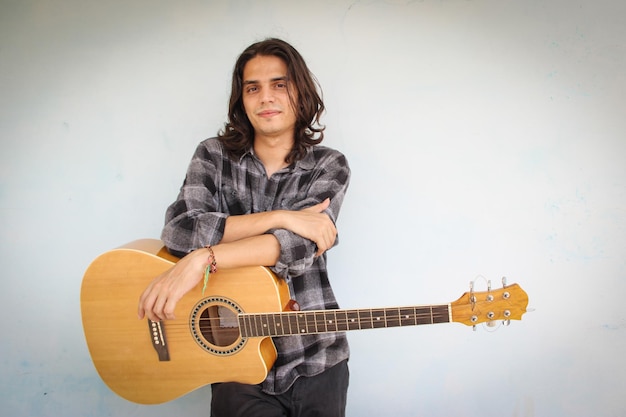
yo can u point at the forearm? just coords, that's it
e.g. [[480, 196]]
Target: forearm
[[256, 250], [159, 299], [250, 225]]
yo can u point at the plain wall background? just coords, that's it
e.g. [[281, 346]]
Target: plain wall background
[[486, 139]]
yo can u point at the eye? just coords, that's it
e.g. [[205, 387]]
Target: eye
[[251, 89]]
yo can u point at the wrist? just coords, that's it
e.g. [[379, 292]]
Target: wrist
[[210, 260], [210, 267], [280, 219]]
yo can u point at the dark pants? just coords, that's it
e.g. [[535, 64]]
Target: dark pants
[[321, 395]]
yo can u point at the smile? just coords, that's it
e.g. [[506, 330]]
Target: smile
[[268, 113]]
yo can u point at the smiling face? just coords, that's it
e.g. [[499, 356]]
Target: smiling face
[[267, 100]]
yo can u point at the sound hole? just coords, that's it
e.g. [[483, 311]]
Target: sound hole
[[215, 326], [218, 325]]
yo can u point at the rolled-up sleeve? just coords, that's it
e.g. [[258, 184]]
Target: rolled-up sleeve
[[296, 254], [194, 219]]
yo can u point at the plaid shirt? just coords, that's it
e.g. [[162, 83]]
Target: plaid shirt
[[217, 186]]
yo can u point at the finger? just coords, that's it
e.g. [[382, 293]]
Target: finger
[[158, 307], [322, 246], [141, 312], [168, 308], [142, 305], [151, 313], [329, 240]]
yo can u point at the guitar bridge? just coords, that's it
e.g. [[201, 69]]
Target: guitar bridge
[[157, 335]]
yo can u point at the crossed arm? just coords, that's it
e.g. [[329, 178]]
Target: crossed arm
[[244, 243]]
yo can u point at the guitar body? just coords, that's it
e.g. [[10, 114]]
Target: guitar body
[[122, 347]]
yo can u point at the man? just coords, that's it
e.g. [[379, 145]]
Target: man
[[264, 192]]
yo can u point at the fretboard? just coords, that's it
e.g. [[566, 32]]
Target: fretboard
[[325, 321]]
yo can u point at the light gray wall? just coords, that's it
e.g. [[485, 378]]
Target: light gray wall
[[486, 138]]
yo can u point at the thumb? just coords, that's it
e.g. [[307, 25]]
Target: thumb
[[324, 204], [319, 207]]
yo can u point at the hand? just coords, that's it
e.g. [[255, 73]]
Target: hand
[[159, 299], [313, 224]]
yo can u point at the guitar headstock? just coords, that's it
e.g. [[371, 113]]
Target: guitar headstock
[[507, 303]]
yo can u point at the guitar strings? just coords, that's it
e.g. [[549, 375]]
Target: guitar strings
[[311, 322]]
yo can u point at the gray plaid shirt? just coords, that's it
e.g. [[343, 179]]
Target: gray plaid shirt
[[217, 186]]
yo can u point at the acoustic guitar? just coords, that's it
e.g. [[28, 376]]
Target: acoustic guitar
[[226, 334]]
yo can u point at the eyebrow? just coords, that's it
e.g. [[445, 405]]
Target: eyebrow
[[282, 78]]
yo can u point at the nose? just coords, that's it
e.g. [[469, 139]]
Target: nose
[[267, 95]]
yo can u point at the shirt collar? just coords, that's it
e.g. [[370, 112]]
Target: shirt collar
[[307, 163]]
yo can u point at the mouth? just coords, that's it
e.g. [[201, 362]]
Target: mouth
[[268, 113]]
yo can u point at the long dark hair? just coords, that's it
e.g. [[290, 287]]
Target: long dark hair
[[238, 133]]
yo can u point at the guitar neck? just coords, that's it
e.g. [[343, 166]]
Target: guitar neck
[[326, 321]]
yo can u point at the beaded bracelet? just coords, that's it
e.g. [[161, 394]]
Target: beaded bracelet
[[211, 267]]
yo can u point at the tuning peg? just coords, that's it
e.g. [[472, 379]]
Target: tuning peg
[[472, 297], [503, 282]]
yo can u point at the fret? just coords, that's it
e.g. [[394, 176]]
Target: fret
[[285, 324], [320, 321], [243, 326], [249, 328], [293, 323], [269, 325], [440, 314], [311, 323], [330, 320], [423, 315], [276, 326], [392, 317], [342, 320], [258, 320], [353, 320], [250, 325], [365, 319], [300, 323], [263, 319], [407, 316], [257, 325], [254, 325], [379, 318]]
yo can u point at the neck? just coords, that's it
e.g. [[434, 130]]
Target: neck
[[272, 152], [324, 321]]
